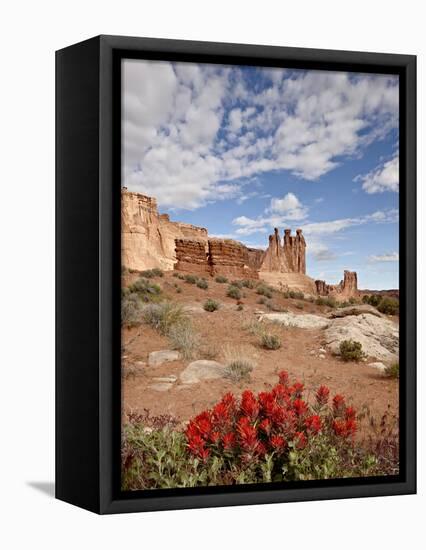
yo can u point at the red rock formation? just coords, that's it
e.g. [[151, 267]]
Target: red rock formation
[[347, 288], [228, 257], [191, 256], [288, 257]]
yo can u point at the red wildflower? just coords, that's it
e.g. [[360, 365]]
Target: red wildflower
[[322, 395], [338, 404], [196, 445], [350, 413], [278, 443], [351, 426], [344, 428], [228, 441], [192, 430], [301, 440], [300, 407], [247, 433], [283, 377], [313, 423], [249, 405], [215, 437], [203, 423], [266, 426], [297, 389]]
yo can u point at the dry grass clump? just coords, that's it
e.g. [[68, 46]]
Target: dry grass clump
[[238, 363], [131, 310], [184, 339], [270, 341], [164, 316]]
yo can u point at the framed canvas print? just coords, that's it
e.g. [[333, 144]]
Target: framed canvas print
[[236, 285]]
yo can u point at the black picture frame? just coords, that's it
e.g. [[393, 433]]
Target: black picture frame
[[88, 119]]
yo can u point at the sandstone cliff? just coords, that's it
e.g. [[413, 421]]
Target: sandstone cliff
[[287, 256], [347, 288], [147, 237]]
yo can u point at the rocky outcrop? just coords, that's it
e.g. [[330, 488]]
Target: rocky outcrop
[[228, 257], [287, 256], [191, 256], [347, 288], [147, 237]]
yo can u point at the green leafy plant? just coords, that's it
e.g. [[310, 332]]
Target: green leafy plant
[[202, 283], [211, 305], [233, 292], [351, 350]]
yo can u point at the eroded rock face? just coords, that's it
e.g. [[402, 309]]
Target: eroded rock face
[[289, 319], [347, 288], [288, 256], [228, 257], [191, 256], [147, 237]]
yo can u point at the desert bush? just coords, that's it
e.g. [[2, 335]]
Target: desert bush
[[264, 290], [221, 279], [164, 316], [262, 300], [190, 279], [211, 305], [296, 294], [330, 302], [273, 436], [388, 306], [238, 369], [233, 292], [372, 299], [146, 290], [131, 309], [351, 350], [254, 327], [248, 283], [240, 307], [392, 371], [270, 341], [273, 306], [237, 283], [202, 283], [151, 273], [184, 338], [320, 301]]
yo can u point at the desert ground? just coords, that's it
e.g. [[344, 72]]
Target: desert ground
[[162, 388]]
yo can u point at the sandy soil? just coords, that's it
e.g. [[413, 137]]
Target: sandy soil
[[362, 386]]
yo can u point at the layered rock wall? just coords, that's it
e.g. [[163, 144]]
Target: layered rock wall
[[228, 257], [147, 237]]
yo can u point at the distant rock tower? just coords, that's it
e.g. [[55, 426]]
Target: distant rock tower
[[288, 256]]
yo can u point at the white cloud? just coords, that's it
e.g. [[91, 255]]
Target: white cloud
[[289, 207], [193, 133], [390, 257], [335, 226], [384, 177]]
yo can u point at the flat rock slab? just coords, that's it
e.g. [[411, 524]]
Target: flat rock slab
[[377, 365], [161, 386], [379, 336], [157, 358], [202, 369], [289, 319], [354, 310]]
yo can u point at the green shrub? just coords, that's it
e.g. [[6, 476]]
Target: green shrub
[[191, 279], [221, 279], [131, 309], [351, 350], [184, 338], [248, 283], [233, 292], [202, 283], [270, 341], [264, 290], [320, 301], [388, 306], [146, 290], [372, 299], [211, 305], [164, 316], [238, 369], [151, 273], [238, 284], [392, 371], [330, 302]]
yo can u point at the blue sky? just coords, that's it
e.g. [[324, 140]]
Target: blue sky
[[241, 150]]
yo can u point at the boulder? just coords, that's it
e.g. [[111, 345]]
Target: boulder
[[354, 310], [379, 336], [157, 358], [289, 319], [202, 369]]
